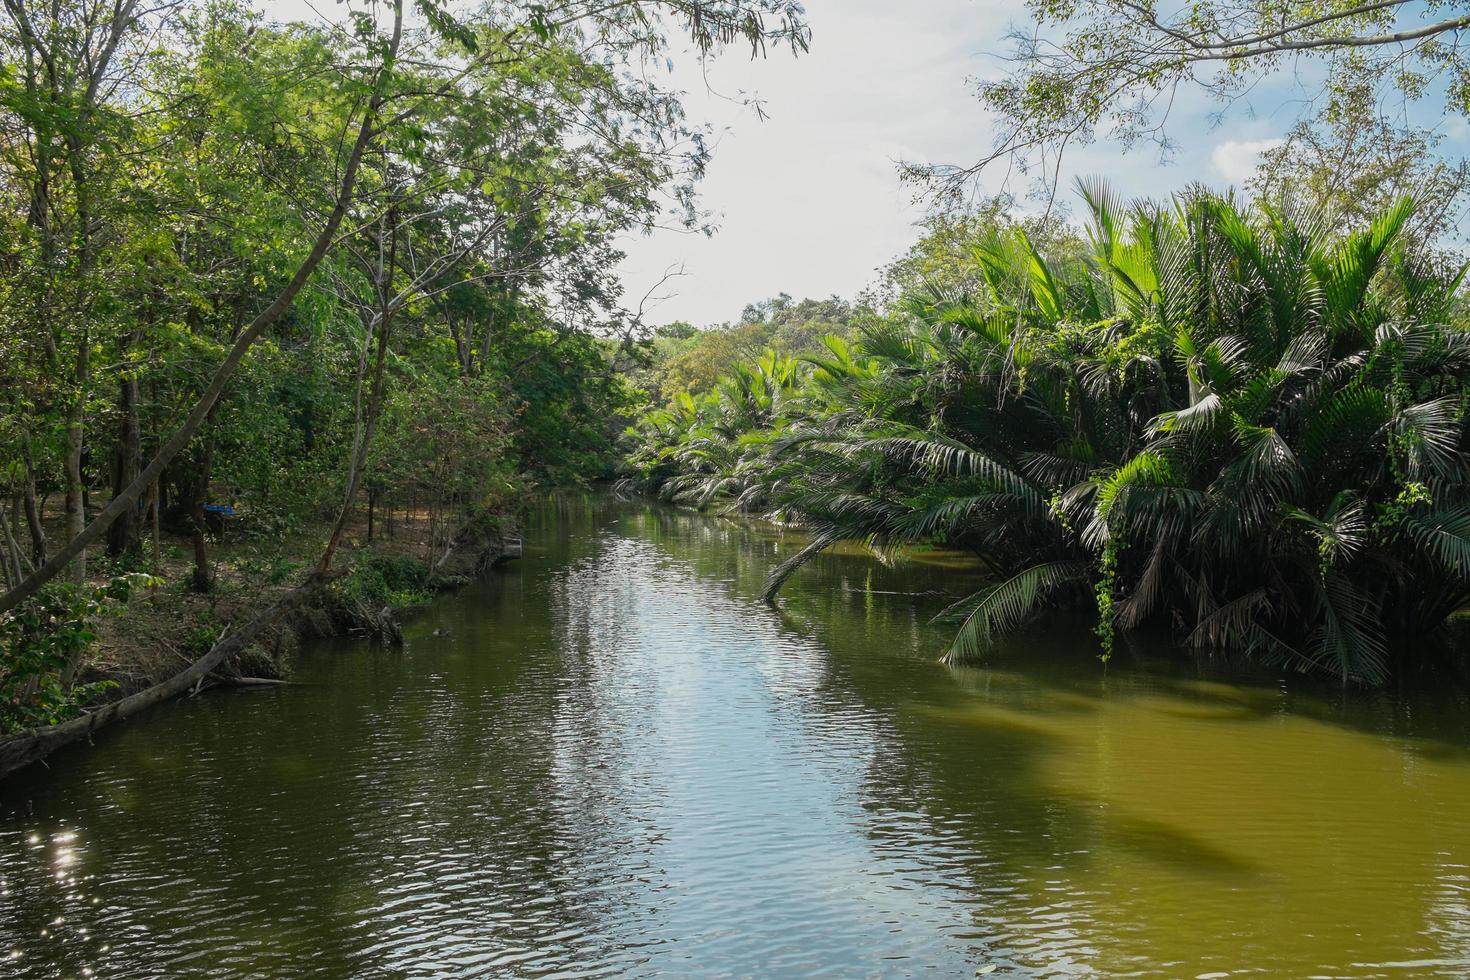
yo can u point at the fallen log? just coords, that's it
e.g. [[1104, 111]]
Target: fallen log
[[251, 682], [23, 748], [225, 680]]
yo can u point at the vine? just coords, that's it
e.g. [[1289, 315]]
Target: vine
[[1106, 629]]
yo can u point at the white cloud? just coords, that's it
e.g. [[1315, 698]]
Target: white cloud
[[808, 200], [1237, 160]]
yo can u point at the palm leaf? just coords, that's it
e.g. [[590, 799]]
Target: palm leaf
[[1444, 535], [1008, 605], [823, 540]]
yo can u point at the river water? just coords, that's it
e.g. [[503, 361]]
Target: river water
[[609, 759]]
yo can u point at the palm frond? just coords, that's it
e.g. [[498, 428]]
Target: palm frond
[[823, 540], [1006, 606], [1444, 535]]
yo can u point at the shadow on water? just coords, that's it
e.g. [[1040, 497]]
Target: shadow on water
[[1226, 777], [610, 760], [1427, 701]]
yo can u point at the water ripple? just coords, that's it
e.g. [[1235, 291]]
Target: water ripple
[[611, 761]]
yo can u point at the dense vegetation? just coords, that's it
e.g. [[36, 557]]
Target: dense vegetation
[[266, 270], [297, 276], [1244, 422], [683, 358]]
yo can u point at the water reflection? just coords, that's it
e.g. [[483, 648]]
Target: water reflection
[[610, 761]]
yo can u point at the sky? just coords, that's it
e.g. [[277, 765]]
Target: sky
[[808, 201]]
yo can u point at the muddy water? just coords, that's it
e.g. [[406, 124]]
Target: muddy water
[[610, 759]]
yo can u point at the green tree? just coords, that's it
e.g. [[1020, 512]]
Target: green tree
[[358, 98], [256, 268]]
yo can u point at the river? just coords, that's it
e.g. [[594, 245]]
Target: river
[[609, 759]]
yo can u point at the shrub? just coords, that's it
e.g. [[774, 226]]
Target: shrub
[[42, 644], [366, 599]]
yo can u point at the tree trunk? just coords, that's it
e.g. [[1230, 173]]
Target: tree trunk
[[124, 534], [203, 576], [33, 512], [76, 421], [383, 282], [154, 505], [461, 341], [76, 501], [12, 529], [76, 512], [11, 558]]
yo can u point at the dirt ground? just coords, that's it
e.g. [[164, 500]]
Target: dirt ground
[[163, 629]]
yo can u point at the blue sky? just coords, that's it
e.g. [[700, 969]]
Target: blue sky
[[808, 201]]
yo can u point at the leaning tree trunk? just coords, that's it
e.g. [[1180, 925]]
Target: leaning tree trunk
[[383, 283]]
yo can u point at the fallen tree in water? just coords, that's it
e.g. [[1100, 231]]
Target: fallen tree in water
[[30, 746]]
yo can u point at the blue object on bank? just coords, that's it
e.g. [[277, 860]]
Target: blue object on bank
[[224, 509]]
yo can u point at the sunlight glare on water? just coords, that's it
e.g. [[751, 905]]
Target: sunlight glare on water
[[609, 759]]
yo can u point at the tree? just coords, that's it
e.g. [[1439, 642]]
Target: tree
[[687, 359], [1358, 156], [392, 82], [1239, 422], [1118, 66], [66, 60], [273, 264]]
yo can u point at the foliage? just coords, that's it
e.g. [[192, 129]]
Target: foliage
[[1369, 85], [250, 269], [1359, 157], [43, 639], [377, 583], [689, 360], [1232, 420], [202, 638]]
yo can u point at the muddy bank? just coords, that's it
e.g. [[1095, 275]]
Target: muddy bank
[[247, 630]]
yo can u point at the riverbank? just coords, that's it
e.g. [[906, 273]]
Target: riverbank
[[263, 601], [167, 628]]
